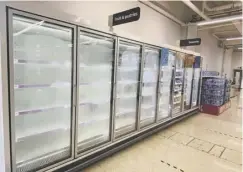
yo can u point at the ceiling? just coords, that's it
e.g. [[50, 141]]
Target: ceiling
[[213, 10]]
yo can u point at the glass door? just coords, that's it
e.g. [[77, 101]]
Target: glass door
[[188, 64], [128, 64], [95, 57], [149, 86], [167, 63], [195, 89], [178, 84], [41, 62], [196, 81]]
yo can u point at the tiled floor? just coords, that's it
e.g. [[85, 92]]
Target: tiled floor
[[202, 143]]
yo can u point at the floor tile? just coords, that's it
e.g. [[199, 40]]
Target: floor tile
[[193, 145], [206, 146], [181, 138], [217, 150], [166, 133], [232, 156]]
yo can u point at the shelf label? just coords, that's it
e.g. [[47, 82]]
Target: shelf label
[[123, 17]]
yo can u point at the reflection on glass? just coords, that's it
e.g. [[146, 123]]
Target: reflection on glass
[[95, 73], [195, 88], [149, 87], [188, 88], [178, 83], [127, 84], [188, 64], [42, 54], [167, 65]]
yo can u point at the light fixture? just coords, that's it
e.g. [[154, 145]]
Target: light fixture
[[240, 48], [232, 39], [220, 20]]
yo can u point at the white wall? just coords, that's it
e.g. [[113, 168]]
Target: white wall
[[211, 53], [236, 61], [227, 63], [151, 28]]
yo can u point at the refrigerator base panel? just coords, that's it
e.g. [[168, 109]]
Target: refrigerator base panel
[[85, 161]]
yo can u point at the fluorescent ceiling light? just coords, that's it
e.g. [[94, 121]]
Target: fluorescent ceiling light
[[240, 48], [232, 39], [220, 20]]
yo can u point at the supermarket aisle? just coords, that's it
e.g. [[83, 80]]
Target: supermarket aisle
[[199, 144]]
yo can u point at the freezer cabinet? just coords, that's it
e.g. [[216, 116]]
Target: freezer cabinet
[[167, 63], [148, 98], [127, 84], [40, 82], [196, 86], [188, 78], [177, 99], [94, 71]]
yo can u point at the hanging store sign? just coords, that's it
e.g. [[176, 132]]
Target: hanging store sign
[[125, 17], [190, 42]]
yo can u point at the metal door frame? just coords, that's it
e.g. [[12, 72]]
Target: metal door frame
[[171, 87], [137, 124], [10, 13], [113, 87], [157, 85]]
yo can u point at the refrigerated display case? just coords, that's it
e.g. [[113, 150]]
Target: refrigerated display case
[[77, 94], [95, 66], [41, 62], [167, 64], [127, 84], [188, 64], [196, 89], [177, 99], [149, 86]]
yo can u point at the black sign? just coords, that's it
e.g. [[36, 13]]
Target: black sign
[[190, 42], [126, 16]]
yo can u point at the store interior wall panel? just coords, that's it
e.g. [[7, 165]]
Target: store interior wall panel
[[227, 63], [236, 61], [211, 53], [82, 13]]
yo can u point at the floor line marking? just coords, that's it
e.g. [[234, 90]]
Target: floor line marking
[[211, 149], [222, 153], [218, 132], [210, 142], [172, 166], [204, 151], [172, 134], [191, 141]]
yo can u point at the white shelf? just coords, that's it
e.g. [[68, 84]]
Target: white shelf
[[125, 111], [97, 118], [127, 82], [126, 96], [44, 63], [127, 69], [179, 70], [176, 102], [147, 106], [175, 96], [40, 109], [96, 67]]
